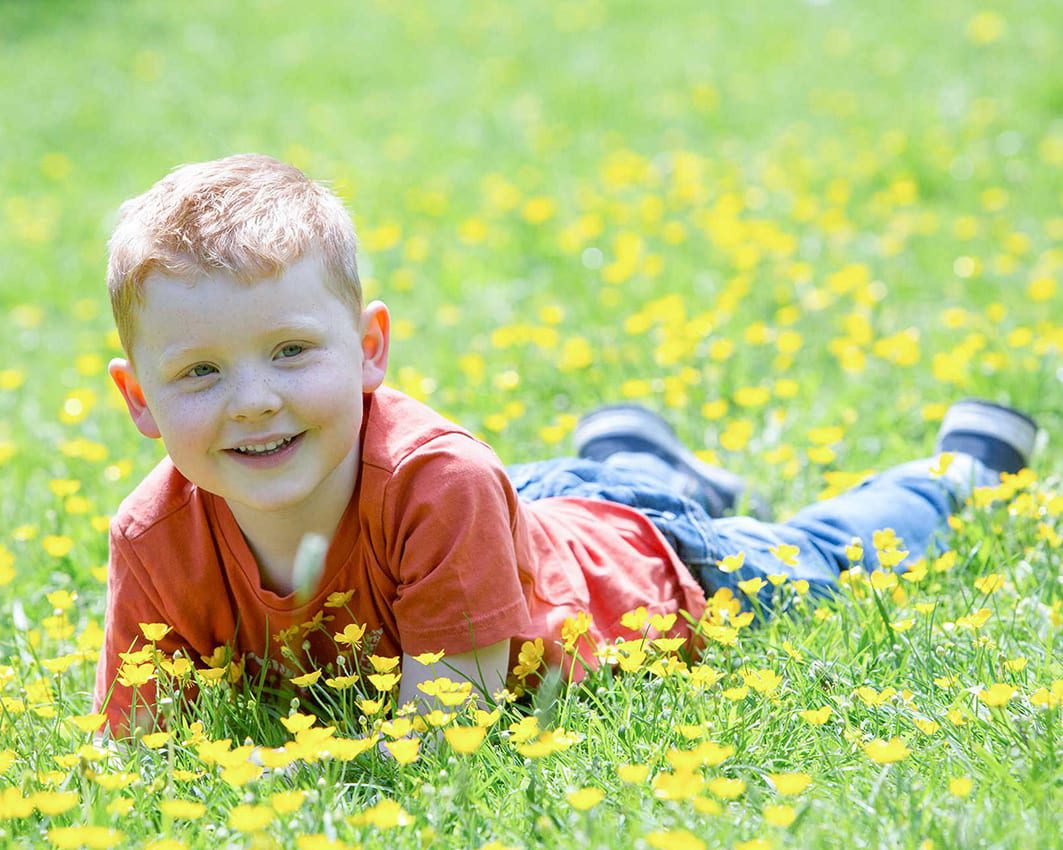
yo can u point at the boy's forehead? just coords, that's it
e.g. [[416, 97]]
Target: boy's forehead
[[175, 312]]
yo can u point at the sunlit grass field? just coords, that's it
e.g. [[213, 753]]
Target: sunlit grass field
[[798, 230]]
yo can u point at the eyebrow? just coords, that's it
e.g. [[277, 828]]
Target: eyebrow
[[291, 327]]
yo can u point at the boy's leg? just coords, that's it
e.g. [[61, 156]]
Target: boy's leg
[[633, 437], [911, 499]]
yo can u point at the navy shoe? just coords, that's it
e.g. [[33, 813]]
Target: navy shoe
[[1002, 438], [618, 428]]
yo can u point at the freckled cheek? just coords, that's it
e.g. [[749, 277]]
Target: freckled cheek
[[328, 397], [188, 425]]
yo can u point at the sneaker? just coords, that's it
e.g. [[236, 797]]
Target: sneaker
[[633, 428], [1000, 437]]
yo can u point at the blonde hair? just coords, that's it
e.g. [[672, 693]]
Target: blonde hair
[[250, 216]]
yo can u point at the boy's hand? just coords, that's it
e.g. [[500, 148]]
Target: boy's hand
[[485, 668]]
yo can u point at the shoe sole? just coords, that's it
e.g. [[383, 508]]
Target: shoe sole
[[974, 416], [618, 421]]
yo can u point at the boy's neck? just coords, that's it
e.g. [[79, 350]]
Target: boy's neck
[[274, 536]]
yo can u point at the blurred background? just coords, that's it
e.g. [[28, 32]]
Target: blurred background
[[799, 229]]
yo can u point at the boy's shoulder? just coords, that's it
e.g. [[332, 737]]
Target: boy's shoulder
[[398, 426], [163, 493]]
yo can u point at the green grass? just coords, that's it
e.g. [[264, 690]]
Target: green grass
[[565, 205]]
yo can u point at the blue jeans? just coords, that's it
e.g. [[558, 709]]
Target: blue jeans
[[906, 498]]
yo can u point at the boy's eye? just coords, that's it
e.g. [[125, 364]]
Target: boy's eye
[[291, 350], [200, 370]]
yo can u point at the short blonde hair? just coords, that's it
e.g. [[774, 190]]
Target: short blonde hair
[[248, 215]]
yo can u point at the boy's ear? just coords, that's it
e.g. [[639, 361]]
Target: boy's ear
[[126, 380], [375, 327]]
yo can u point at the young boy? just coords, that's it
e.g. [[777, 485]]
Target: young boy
[[250, 354]]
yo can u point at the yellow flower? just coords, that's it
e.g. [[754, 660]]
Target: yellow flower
[[383, 681], [61, 599], [465, 739], [154, 740], [786, 553], [871, 697], [298, 722], [731, 563], [763, 681], [781, 816], [574, 628], [679, 785], [383, 663], [65, 837], [633, 774], [54, 802], [727, 788], [997, 695], [635, 620], [88, 722], [351, 635], [944, 461], [711, 754], [384, 815], [789, 784], [530, 657], [674, 839], [63, 487], [960, 786], [239, 775], [916, 571], [736, 694], [752, 586], [428, 658], [338, 599], [370, 707], [585, 798], [120, 806], [13, 805], [404, 751], [985, 28], [927, 727], [306, 678], [155, 631], [342, 682], [286, 802], [886, 752], [989, 583], [882, 580], [182, 809], [57, 546], [249, 818], [976, 620], [134, 675]]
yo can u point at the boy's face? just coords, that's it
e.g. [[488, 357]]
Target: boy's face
[[225, 370]]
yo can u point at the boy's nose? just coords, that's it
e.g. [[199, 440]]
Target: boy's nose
[[253, 397]]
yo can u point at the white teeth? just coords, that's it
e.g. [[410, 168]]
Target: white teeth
[[265, 447]]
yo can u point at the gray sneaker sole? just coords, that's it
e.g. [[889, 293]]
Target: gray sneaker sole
[[618, 421]]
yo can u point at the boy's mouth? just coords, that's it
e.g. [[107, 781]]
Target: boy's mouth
[[267, 449]]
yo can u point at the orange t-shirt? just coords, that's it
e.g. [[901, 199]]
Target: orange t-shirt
[[435, 544]]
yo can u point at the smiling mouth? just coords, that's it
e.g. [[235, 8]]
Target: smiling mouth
[[266, 449]]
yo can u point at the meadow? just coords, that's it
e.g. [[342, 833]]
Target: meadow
[[797, 230]]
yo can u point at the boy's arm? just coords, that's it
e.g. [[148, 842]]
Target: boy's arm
[[485, 667]]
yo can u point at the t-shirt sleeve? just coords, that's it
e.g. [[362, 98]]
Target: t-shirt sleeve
[[131, 600], [451, 517]]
